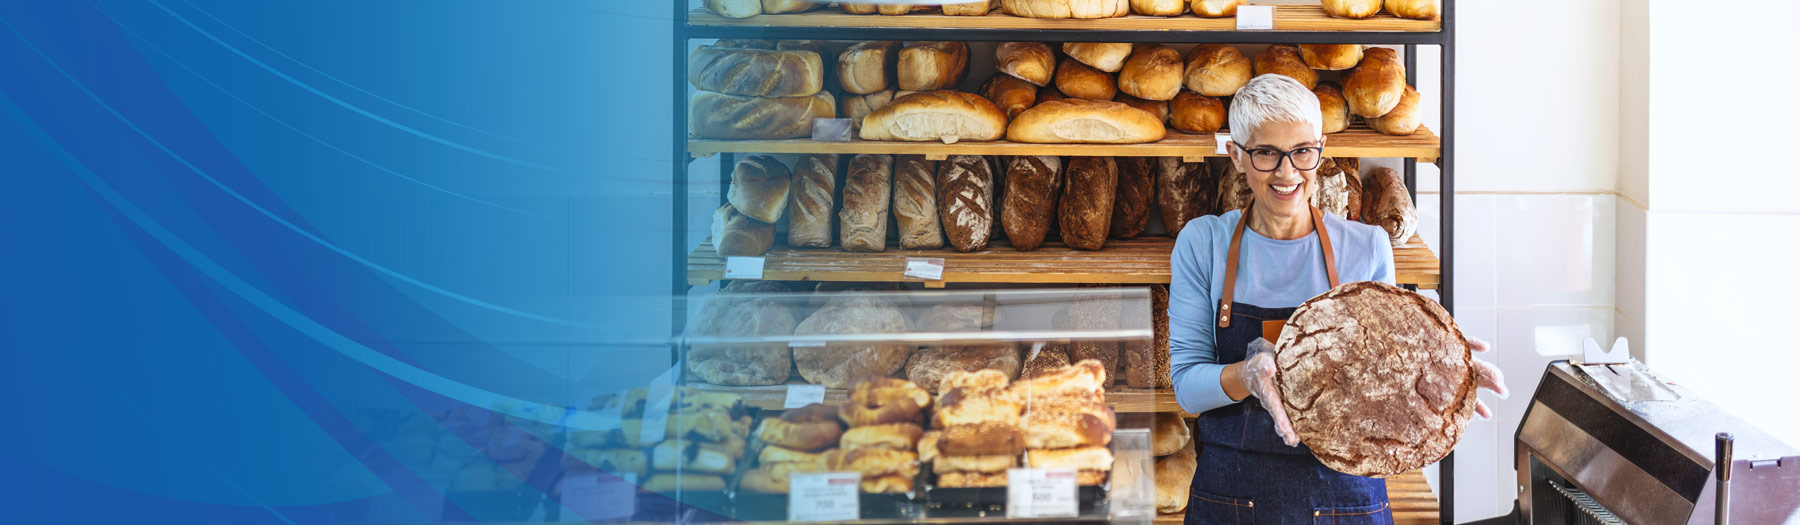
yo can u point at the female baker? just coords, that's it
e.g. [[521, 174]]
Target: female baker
[[1237, 278]]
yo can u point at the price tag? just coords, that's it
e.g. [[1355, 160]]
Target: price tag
[[823, 496], [1255, 17], [831, 130], [743, 267], [802, 395], [1219, 140], [928, 269], [600, 497], [1041, 493]]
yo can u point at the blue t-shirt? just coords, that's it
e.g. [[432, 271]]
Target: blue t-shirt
[[1271, 274]]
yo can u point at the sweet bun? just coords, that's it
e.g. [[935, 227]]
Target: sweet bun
[[1216, 70], [1351, 8], [1332, 107], [1331, 57], [1285, 60], [1196, 113], [1377, 83], [1403, 120]]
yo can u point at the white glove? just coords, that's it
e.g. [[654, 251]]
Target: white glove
[[1258, 376], [1487, 376]]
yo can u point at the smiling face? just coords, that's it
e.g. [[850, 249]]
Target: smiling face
[[1285, 193]]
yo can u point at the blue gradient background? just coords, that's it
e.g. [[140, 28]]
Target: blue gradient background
[[257, 251]]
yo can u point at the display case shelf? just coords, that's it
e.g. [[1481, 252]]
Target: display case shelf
[[1292, 23], [1144, 260], [1358, 141], [1123, 400], [1409, 495]]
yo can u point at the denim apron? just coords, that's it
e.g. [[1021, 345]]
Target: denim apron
[[1246, 474]]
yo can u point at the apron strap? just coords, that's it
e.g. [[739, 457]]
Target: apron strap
[[1231, 260]]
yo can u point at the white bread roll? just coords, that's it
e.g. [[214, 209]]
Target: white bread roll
[[1216, 70], [1196, 113], [924, 66], [1403, 120], [868, 67], [1159, 7], [1152, 72], [1285, 60], [735, 8], [1417, 9], [1216, 8], [1066, 8], [1376, 85], [1351, 8], [972, 8], [1077, 80], [790, 6], [1108, 57], [1331, 57], [949, 116], [1032, 62], [1084, 121], [1332, 107]]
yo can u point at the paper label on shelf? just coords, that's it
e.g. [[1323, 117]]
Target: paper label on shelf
[[1219, 140], [743, 267], [600, 496], [1255, 17], [928, 269], [1041, 493], [824, 496], [802, 395], [831, 130]]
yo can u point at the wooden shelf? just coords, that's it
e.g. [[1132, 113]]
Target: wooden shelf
[[1287, 18], [1358, 141], [1144, 260], [1123, 400], [1409, 495]]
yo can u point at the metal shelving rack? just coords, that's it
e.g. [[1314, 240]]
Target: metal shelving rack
[[1135, 30]]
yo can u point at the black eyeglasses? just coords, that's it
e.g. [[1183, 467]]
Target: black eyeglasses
[[1269, 159]]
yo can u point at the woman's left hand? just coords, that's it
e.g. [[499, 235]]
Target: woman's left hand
[[1487, 377]]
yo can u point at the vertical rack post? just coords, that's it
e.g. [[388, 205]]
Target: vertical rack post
[[678, 183], [1447, 223], [1410, 166]]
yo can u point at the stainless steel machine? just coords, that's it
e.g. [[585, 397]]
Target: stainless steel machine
[[1614, 443]]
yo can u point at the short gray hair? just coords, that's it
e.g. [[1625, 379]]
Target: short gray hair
[[1273, 98]]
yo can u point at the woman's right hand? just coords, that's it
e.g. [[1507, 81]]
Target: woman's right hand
[[1257, 376]]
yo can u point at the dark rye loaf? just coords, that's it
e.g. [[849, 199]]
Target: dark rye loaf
[[1376, 379]]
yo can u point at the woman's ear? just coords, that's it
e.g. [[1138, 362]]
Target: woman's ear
[[1236, 156]]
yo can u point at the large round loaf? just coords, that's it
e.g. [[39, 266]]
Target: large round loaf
[[836, 365], [1152, 72], [1376, 379], [949, 116], [1083, 121], [731, 313], [1066, 8], [1216, 70]]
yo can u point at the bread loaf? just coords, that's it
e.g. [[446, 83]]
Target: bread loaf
[[1107, 57], [1152, 72], [1030, 202], [992, 463], [734, 8], [1174, 479], [1216, 8], [930, 364], [1077, 80], [1216, 70], [1159, 7], [1086, 205], [925, 66], [1010, 94], [1418, 9], [1333, 195], [720, 116], [966, 201], [867, 67], [981, 439], [834, 366], [744, 43], [1331, 57], [735, 234], [916, 202], [1084, 121], [1147, 362], [1285, 60], [730, 313], [1385, 203], [1046, 359], [1332, 107], [972, 8], [1353, 186], [1196, 113], [1054, 426], [1049, 93], [759, 188], [1403, 119], [1351, 8], [756, 72], [856, 107], [770, 7], [949, 116], [895, 9], [1184, 190], [812, 199], [1066, 8], [1234, 187], [1156, 108], [858, 8], [1032, 62], [1377, 83], [1132, 197], [1377, 380], [862, 223]]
